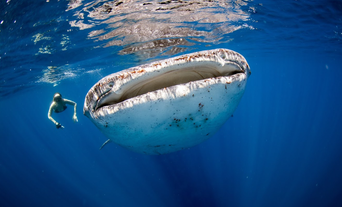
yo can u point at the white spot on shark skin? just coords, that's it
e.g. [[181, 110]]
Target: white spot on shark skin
[[168, 105]]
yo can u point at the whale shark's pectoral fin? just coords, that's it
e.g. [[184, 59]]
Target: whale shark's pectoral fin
[[106, 142]]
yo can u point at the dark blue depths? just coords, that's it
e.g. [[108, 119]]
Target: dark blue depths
[[282, 147]]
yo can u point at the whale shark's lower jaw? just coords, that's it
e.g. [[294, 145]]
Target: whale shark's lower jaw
[[171, 104]]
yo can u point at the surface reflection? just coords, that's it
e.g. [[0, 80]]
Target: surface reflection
[[151, 28]]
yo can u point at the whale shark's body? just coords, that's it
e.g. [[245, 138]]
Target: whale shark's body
[[168, 105]]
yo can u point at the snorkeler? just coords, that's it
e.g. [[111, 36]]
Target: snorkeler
[[59, 105]]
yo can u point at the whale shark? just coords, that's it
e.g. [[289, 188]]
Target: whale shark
[[168, 105]]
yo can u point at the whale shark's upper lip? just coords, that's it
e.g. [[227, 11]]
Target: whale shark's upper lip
[[140, 80]]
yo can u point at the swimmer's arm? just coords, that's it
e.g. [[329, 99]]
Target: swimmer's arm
[[71, 103], [50, 112]]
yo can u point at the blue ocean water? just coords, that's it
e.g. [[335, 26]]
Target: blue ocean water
[[282, 147]]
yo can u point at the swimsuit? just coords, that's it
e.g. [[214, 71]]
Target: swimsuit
[[64, 107]]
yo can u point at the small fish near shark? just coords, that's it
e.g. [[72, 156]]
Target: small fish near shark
[[168, 105]]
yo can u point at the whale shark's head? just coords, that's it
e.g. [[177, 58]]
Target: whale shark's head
[[170, 104]]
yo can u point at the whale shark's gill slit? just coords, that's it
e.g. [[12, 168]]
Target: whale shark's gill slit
[[168, 79]]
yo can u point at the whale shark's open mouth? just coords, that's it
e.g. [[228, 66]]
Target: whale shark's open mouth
[[179, 76], [137, 81]]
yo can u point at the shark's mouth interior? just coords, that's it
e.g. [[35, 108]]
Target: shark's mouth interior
[[169, 78]]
